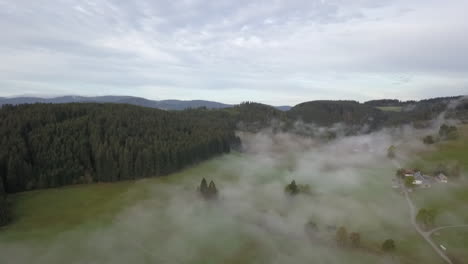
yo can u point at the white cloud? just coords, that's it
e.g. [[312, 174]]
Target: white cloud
[[269, 51]]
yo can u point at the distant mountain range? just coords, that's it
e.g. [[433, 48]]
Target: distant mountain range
[[161, 104]]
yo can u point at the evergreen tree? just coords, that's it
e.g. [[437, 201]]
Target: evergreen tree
[[203, 186], [212, 191], [292, 188], [208, 191]]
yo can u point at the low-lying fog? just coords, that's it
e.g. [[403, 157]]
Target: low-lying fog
[[254, 220]]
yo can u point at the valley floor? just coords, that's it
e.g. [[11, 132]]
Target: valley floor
[[164, 220]]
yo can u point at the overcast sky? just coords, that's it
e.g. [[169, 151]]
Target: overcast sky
[[276, 52]]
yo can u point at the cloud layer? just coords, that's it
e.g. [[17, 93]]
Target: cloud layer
[[278, 52]]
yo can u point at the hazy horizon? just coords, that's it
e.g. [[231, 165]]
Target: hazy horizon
[[202, 99]]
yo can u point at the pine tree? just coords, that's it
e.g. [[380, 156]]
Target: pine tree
[[203, 187], [212, 191], [292, 188]]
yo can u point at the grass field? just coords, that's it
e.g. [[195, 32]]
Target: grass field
[[446, 152], [456, 242], [449, 200], [163, 220], [152, 219]]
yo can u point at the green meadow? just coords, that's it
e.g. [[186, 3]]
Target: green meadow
[[455, 240], [450, 200], [164, 220]]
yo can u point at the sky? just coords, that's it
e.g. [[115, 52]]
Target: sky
[[275, 52]]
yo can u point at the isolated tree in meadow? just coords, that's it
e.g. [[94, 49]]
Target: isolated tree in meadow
[[341, 236], [426, 217], [388, 245], [409, 182], [391, 152], [428, 140], [212, 191], [292, 188], [203, 186], [355, 239], [208, 190]]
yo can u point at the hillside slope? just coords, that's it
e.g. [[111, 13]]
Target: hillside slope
[[162, 104], [326, 113]]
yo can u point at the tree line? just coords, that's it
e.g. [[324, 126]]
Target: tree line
[[50, 145], [45, 145]]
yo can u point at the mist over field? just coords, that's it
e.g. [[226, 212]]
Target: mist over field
[[165, 220], [234, 132]]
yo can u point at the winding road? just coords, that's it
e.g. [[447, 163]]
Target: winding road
[[424, 234], [444, 227]]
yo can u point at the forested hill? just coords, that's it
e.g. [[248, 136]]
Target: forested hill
[[49, 145], [326, 113], [162, 104], [252, 116]]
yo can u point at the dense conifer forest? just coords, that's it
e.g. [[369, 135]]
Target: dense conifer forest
[[45, 145]]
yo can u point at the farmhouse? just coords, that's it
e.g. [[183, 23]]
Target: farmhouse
[[422, 180], [441, 178], [408, 172]]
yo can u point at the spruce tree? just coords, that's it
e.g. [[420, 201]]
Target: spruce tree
[[292, 188], [203, 187], [212, 191]]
